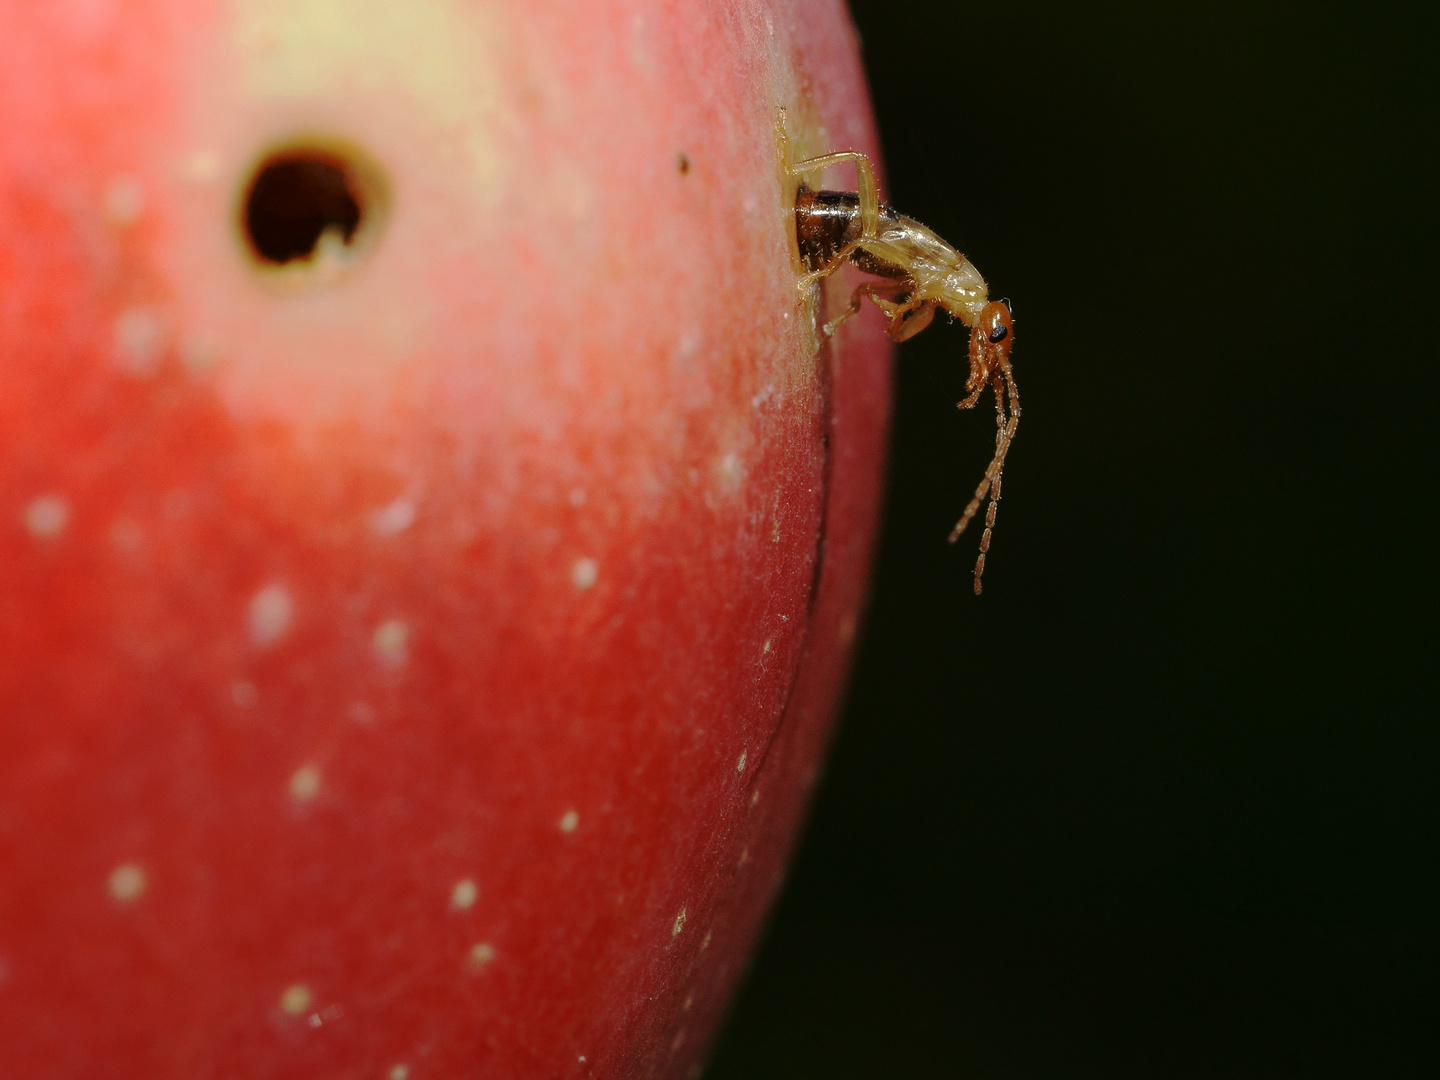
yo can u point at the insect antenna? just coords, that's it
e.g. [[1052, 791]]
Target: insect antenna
[[990, 485], [990, 474]]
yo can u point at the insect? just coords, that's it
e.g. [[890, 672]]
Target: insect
[[920, 272]]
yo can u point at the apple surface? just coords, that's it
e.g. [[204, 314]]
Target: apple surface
[[432, 529]]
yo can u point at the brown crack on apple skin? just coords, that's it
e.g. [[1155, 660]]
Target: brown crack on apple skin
[[802, 137], [818, 349]]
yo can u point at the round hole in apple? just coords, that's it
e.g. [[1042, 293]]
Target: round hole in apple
[[312, 208]]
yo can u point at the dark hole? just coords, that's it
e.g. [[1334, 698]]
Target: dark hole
[[294, 199]]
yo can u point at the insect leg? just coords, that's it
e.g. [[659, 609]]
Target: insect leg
[[890, 297], [881, 249], [909, 319], [782, 137], [865, 186]]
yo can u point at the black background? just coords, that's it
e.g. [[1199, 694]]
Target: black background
[[1162, 802]]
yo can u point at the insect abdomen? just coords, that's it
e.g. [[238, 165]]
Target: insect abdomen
[[826, 222]]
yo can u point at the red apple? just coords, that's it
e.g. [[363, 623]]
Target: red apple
[[431, 533]]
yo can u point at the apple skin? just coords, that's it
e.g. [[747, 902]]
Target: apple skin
[[415, 664]]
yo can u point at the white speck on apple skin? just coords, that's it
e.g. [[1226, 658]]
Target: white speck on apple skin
[[198, 353], [296, 999], [731, 473], [46, 517], [124, 200], [687, 347], [271, 610], [139, 339], [305, 783], [705, 942], [679, 924], [327, 1015], [569, 822], [393, 518], [392, 642], [127, 883], [740, 765], [127, 536], [400, 1072], [479, 956], [201, 166], [584, 573], [464, 895]]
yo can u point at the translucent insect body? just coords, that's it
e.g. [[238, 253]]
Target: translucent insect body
[[920, 272]]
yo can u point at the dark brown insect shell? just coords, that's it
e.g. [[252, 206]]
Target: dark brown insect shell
[[826, 222]]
